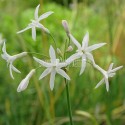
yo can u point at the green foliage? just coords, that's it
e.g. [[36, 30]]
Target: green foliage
[[38, 105]]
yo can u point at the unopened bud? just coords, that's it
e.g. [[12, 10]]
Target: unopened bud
[[66, 27], [24, 83], [69, 49], [59, 52]]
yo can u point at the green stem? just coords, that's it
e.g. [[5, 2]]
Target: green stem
[[53, 41], [38, 54], [68, 102]]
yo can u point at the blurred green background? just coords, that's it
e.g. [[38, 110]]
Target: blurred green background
[[105, 21]]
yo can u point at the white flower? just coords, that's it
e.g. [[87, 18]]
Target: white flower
[[52, 68], [24, 83], [83, 51], [110, 73], [10, 59], [35, 23]]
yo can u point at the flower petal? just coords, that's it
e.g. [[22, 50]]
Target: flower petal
[[28, 27], [85, 40], [19, 55], [83, 64], [101, 70], [34, 33], [52, 78], [91, 58], [117, 68], [52, 54], [11, 74], [36, 12], [45, 15], [73, 57], [15, 69], [63, 64], [111, 74], [75, 41], [5, 55], [62, 73], [45, 73], [4, 47], [101, 82], [107, 84], [110, 67], [95, 46], [42, 62], [43, 28]]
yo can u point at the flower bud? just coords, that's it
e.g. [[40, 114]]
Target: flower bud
[[66, 27], [59, 52], [69, 49], [24, 83]]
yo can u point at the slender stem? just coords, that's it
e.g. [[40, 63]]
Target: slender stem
[[38, 54], [68, 102], [53, 41]]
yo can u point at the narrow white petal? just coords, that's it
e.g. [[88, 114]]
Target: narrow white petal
[[20, 55], [45, 15], [101, 70], [34, 33], [36, 12], [91, 58], [95, 46], [5, 55], [43, 28], [111, 66], [62, 73], [75, 41], [63, 64], [73, 57], [15, 69], [107, 84], [52, 54], [45, 73], [85, 40], [115, 69], [11, 74], [28, 27], [83, 65], [52, 79], [112, 74], [4, 47], [100, 83], [42, 62]]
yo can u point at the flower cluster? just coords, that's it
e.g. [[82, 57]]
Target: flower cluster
[[83, 52]]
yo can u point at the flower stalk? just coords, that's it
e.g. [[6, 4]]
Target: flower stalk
[[68, 102]]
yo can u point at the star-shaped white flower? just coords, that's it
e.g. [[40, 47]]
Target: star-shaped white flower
[[110, 73], [83, 51], [10, 59], [24, 83], [53, 67], [35, 23]]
